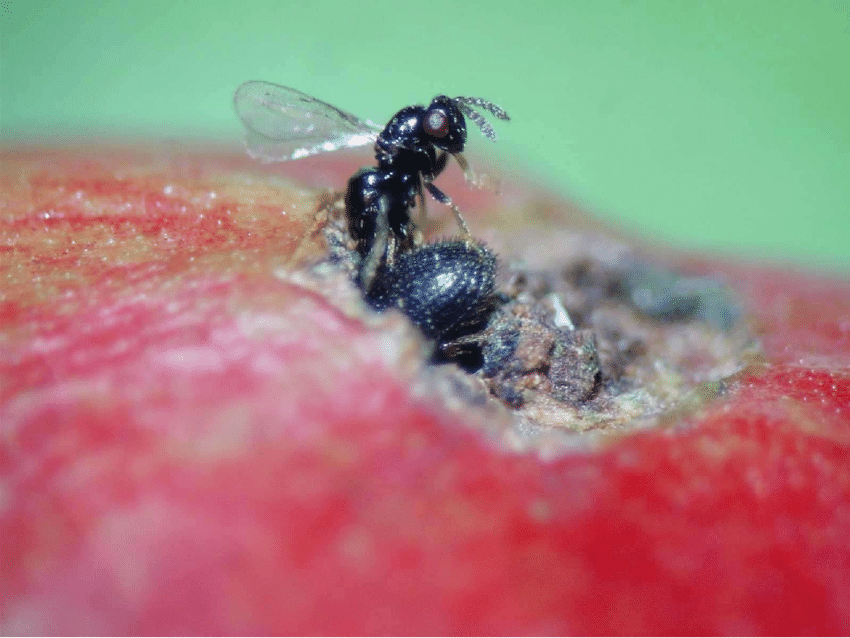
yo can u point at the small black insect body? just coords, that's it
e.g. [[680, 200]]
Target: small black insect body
[[445, 288]]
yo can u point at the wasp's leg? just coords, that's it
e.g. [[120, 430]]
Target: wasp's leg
[[378, 250], [468, 174], [439, 165], [421, 220], [441, 197], [420, 216]]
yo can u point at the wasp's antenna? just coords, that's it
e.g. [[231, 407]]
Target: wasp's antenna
[[465, 104], [486, 105], [476, 117]]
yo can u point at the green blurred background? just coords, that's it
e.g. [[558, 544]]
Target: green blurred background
[[720, 124]]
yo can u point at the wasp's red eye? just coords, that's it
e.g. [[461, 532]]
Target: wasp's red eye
[[436, 123]]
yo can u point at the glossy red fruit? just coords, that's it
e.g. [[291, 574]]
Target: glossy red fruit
[[197, 438]]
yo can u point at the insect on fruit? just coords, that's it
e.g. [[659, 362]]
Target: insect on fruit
[[454, 278]]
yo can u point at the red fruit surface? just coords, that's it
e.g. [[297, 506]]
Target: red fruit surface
[[197, 439]]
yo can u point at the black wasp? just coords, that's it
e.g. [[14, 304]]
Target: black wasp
[[446, 288]]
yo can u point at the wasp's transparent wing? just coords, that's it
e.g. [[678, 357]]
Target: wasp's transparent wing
[[284, 124]]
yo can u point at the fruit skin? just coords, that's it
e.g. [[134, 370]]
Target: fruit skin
[[196, 441]]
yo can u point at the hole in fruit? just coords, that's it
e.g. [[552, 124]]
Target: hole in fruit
[[594, 336]]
